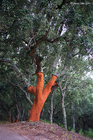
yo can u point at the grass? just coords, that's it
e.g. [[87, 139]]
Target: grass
[[70, 136], [45, 121], [52, 128], [81, 132]]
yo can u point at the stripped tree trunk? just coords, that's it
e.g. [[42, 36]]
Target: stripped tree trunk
[[40, 95]]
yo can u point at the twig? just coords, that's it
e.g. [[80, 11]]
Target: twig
[[66, 104]]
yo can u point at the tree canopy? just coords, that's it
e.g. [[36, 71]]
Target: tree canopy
[[60, 34]]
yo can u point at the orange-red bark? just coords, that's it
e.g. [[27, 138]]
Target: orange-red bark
[[32, 90], [47, 89], [40, 95], [10, 119]]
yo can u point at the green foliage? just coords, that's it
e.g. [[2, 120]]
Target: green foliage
[[45, 121], [89, 133], [52, 128], [70, 136], [72, 130], [18, 17], [3, 122], [81, 132]]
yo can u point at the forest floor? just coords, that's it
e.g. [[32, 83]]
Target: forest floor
[[42, 131]]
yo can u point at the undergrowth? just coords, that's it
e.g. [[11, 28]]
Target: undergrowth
[[89, 133], [1, 122]]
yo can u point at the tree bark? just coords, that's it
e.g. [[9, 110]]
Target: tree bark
[[64, 114], [9, 113], [18, 114], [73, 116], [15, 69], [51, 108], [63, 91], [40, 95], [23, 112]]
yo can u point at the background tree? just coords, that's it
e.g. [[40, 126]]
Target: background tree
[[36, 28]]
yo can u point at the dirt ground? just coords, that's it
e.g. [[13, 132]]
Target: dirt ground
[[43, 131]]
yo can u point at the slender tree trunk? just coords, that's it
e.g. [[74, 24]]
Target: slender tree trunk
[[40, 95], [64, 113], [23, 112], [51, 108], [18, 113], [63, 91], [13, 118], [73, 116], [9, 113]]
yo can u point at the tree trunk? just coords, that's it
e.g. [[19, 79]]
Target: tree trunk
[[18, 113], [63, 91], [73, 116], [51, 108], [23, 112], [40, 95], [64, 113], [9, 114], [73, 119], [13, 118]]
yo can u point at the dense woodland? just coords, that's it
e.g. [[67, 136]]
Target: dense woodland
[[59, 36]]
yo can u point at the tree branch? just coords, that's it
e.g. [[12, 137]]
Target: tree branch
[[60, 6], [66, 104], [25, 41], [52, 41], [62, 79], [65, 85], [25, 93], [40, 40], [56, 61], [32, 35], [63, 72], [63, 90], [15, 69]]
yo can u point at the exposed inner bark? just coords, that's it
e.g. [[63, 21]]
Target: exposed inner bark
[[40, 95]]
